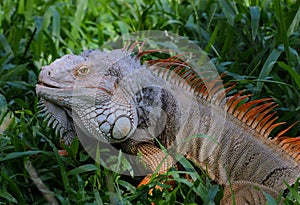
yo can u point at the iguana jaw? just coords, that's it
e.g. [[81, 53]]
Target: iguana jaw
[[54, 95]]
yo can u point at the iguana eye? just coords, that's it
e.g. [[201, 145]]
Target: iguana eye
[[82, 71]]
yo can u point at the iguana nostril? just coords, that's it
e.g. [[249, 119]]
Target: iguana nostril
[[121, 128]]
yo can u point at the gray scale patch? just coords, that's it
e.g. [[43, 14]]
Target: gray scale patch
[[105, 127], [88, 110], [111, 119], [99, 111], [119, 112], [93, 114], [94, 122], [106, 112], [101, 118], [113, 108]]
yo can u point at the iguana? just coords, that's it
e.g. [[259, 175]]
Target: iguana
[[243, 159]]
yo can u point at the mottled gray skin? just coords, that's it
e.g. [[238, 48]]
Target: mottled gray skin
[[240, 158]]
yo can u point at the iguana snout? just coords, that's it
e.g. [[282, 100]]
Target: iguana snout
[[61, 73]]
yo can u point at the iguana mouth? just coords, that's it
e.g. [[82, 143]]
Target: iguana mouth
[[43, 85], [48, 85]]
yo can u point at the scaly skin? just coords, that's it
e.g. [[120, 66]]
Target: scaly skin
[[240, 158]]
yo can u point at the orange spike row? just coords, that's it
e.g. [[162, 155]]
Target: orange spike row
[[265, 110], [179, 70], [178, 56], [199, 85], [217, 85], [167, 73], [244, 108], [125, 47], [250, 115], [272, 127], [290, 145], [178, 78], [182, 76], [187, 75], [141, 47], [291, 142], [251, 118], [196, 82], [198, 79], [231, 99], [143, 53], [201, 90], [258, 124], [261, 127], [181, 79], [192, 78], [202, 86], [229, 86], [167, 60], [214, 82], [257, 114], [220, 97], [130, 49], [236, 101], [212, 88], [163, 62], [285, 130]]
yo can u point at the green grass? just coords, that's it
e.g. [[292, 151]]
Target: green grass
[[255, 42]]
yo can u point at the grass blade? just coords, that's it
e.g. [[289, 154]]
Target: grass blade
[[255, 17], [13, 188], [293, 73], [82, 169], [294, 25], [229, 10], [8, 197], [15, 155], [267, 67], [6, 45]]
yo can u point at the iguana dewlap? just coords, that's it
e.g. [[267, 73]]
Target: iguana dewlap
[[243, 158]]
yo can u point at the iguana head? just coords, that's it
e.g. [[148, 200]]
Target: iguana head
[[84, 87]]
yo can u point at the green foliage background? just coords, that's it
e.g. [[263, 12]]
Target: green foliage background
[[256, 42]]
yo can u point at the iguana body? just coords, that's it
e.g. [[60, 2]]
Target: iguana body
[[243, 157]]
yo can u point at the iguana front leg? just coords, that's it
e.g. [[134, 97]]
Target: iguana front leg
[[246, 193], [155, 159], [152, 156]]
